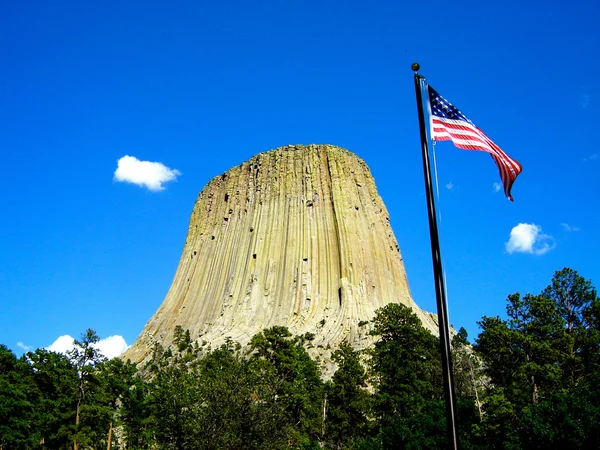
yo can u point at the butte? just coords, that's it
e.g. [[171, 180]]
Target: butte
[[298, 237]]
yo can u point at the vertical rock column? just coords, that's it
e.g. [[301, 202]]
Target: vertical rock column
[[296, 236]]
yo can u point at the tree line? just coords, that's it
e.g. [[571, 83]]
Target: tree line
[[528, 381]]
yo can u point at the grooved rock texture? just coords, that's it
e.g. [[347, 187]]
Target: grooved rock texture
[[296, 236]]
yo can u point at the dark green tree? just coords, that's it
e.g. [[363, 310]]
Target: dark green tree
[[278, 356], [217, 400], [136, 414], [85, 357], [348, 401], [540, 348], [17, 402], [174, 397], [117, 379], [541, 362], [240, 406], [405, 363], [56, 380], [466, 368], [577, 303], [406, 374]]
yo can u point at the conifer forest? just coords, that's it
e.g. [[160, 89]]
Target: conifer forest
[[529, 380]]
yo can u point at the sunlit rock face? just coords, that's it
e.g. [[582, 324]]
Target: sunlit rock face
[[296, 236]]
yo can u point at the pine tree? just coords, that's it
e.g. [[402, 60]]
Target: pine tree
[[17, 402], [542, 365], [85, 357], [278, 356], [348, 401]]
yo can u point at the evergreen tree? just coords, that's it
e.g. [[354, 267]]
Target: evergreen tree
[[406, 370], [116, 380], [56, 381], [404, 363], [240, 406], [577, 305], [173, 396], [348, 402], [466, 367], [278, 356], [136, 414], [542, 365], [85, 357], [17, 402], [218, 400]]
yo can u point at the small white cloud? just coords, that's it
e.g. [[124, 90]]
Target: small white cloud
[[111, 347], [62, 344], [591, 157], [449, 186], [568, 227], [24, 347], [497, 186], [528, 238], [151, 175]]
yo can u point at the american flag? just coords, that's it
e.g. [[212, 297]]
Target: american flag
[[448, 123]]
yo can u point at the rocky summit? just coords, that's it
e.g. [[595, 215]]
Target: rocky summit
[[297, 236]]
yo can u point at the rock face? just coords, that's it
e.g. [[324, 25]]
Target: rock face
[[296, 236]]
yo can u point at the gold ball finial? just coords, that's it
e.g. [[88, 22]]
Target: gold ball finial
[[416, 67]]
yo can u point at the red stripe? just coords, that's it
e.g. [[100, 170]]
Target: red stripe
[[454, 126], [509, 168]]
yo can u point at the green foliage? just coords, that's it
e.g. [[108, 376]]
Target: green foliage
[[564, 420], [532, 381], [173, 399], [405, 363], [92, 416], [406, 373], [17, 400], [541, 363], [282, 358], [65, 400], [240, 406], [56, 381], [466, 367], [423, 430], [348, 402], [118, 400], [134, 406], [540, 348], [224, 399]]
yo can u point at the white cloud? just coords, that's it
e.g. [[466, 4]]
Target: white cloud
[[62, 345], [497, 186], [568, 227], [22, 346], [151, 175], [110, 347], [591, 157], [449, 185], [528, 238]]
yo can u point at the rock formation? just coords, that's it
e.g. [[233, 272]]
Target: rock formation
[[296, 236]]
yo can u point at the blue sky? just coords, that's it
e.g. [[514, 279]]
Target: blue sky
[[203, 86]]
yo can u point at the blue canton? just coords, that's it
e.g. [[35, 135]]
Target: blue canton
[[441, 107]]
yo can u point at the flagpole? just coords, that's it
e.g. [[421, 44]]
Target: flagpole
[[440, 292]]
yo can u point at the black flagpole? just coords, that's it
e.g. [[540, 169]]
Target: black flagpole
[[440, 292]]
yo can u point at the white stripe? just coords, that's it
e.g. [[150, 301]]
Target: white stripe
[[473, 133], [475, 142], [454, 121]]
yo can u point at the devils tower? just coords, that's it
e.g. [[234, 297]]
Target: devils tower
[[296, 236]]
